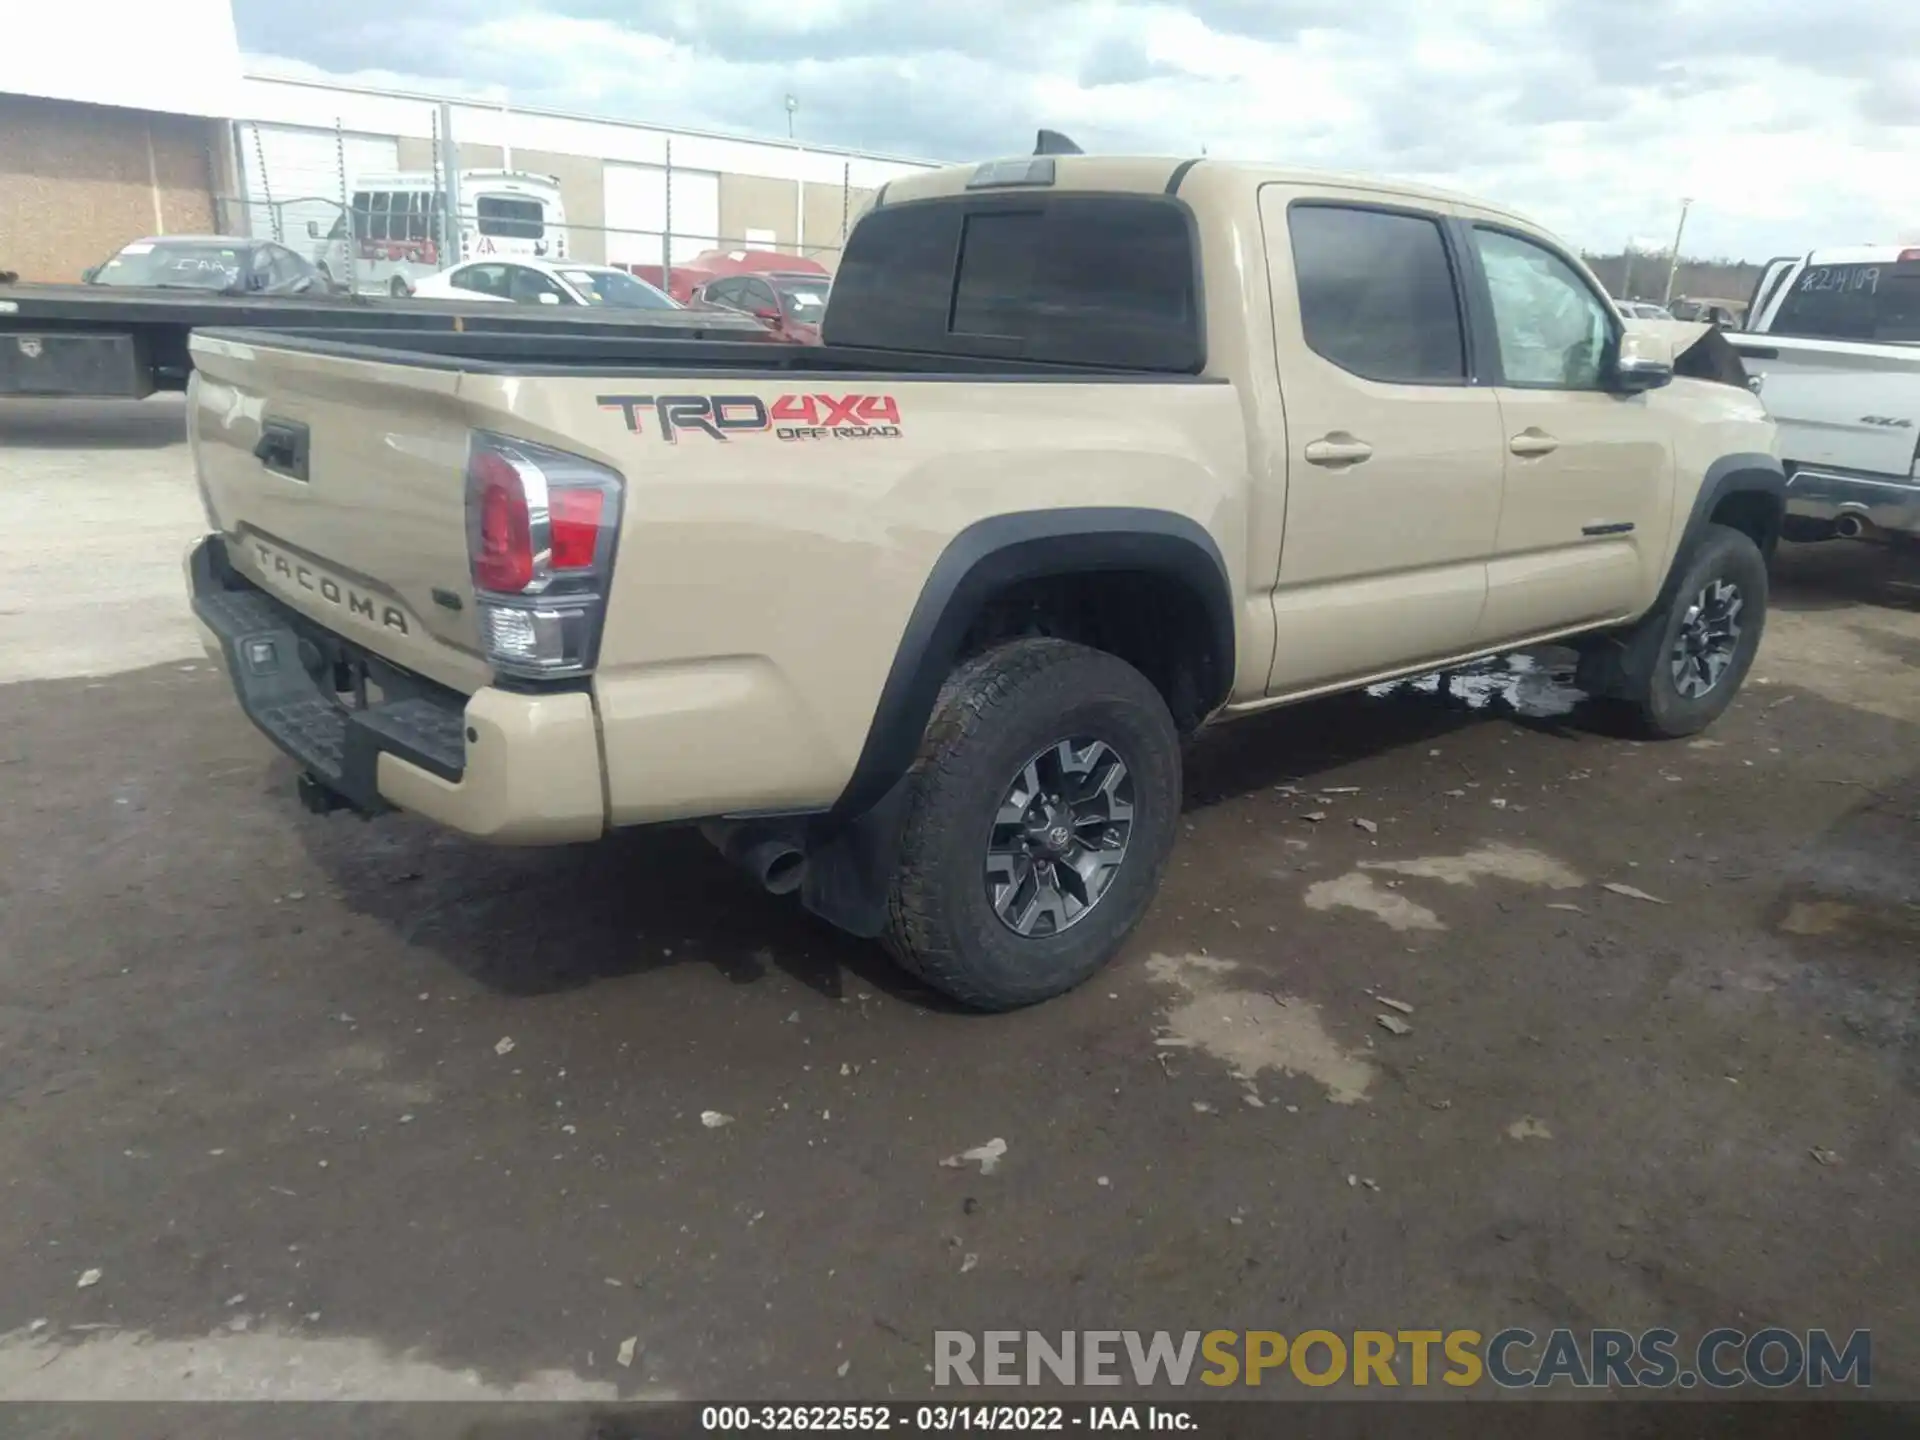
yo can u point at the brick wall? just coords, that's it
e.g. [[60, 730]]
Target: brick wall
[[79, 181]]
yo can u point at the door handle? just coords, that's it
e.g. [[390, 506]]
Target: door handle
[[1531, 442], [1339, 448]]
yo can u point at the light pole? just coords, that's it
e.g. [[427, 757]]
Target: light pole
[[1673, 259], [793, 106], [1626, 271]]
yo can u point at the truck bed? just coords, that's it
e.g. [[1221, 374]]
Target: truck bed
[[584, 351], [105, 340], [27, 306]]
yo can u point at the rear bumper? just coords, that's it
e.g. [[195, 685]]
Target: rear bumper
[[496, 765], [1885, 503]]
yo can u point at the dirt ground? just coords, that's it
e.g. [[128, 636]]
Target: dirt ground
[[352, 1109]]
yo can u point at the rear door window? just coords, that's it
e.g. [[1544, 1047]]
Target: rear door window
[[1377, 293], [1852, 302], [1103, 280]]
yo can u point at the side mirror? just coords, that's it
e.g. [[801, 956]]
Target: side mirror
[[313, 229], [768, 313], [1645, 362], [547, 297]]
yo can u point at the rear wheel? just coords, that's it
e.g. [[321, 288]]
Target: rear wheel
[[1041, 813]]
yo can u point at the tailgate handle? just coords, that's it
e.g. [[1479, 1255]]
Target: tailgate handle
[[282, 448]]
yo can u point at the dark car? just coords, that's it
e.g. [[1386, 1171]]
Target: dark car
[[223, 264]]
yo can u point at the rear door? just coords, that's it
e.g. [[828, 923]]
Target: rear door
[[1393, 452], [1589, 472]]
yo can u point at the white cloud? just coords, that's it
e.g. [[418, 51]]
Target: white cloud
[[1596, 118]]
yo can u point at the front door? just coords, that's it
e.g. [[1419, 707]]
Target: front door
[[1589, 470], [1393, 452]]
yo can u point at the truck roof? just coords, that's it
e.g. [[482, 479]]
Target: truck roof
[[1861, 254], [1149, 174]]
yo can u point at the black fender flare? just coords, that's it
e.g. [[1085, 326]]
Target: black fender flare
[[1729, 475], [1611, 666], [851, 847]]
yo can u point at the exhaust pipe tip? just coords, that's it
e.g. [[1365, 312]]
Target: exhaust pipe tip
[[1849, 527], [778, 865], [775, 859]]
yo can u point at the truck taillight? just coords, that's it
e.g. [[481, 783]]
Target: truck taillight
[[541, 529]]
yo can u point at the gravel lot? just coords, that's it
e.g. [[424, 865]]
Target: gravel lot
[[363, 1110]]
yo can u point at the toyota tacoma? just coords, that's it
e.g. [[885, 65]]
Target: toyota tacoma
[[1096, 451]]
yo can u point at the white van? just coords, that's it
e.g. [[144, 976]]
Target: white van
[[396, 219]]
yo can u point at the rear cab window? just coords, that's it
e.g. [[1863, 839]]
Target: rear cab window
[[1377, 292], [1862, 302], [1058, 277]]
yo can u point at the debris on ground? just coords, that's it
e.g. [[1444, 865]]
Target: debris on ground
[[1631, 893], [88, 1279], [627, 1346], [1341, 789], [1499, 804], [1570, 909], [845, 1365], [1528, 1128], [1372, 1185], [1393, 1024], [34, 1327], [1201, 1107], [714, 1119], [1314, 817], [1103, 1181], [1367, 825], [1392, 1004], [968, 1262], [1819, 1153], [503, 1046], [987, 1157]]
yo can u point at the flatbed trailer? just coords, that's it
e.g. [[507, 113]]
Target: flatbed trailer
[[93, 340]]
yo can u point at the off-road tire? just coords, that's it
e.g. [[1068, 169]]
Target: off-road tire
[[1653, 704], [993, 715]]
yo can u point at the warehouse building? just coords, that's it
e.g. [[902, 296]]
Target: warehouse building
[[165, 132], [303, 145]]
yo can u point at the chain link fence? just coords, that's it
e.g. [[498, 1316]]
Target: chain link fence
[[355, 206]]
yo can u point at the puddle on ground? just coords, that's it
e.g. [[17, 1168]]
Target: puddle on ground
[[1488, 862], [1253, 1030], [1357, 891], [130, 1365], [1521, 684]]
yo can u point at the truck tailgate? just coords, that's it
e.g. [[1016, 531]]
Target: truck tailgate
[[341, 487], [1850, 406]]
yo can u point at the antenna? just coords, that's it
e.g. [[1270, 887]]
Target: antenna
[[1052, 142]]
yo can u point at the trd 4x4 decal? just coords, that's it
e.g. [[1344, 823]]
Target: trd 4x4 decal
[[789, 417]]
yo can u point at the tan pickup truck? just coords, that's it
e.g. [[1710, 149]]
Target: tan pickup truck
[[1096, 451]]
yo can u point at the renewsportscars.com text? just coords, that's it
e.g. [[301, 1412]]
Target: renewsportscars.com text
[[1513, 1359]]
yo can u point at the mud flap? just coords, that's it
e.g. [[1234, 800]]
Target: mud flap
[[850, 864]]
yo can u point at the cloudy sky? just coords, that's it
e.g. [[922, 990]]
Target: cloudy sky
[[1790, 123]]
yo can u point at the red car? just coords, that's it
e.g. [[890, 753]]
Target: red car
[[789, 304]]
